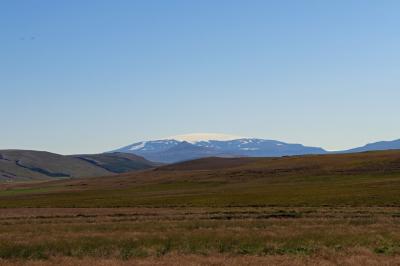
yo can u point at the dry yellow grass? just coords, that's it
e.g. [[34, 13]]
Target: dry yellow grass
[[355, 257], [200, 236]]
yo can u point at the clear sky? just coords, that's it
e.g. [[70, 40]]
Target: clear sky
[[89, 76]]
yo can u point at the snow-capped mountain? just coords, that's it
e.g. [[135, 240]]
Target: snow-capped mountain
[[151, 146], [199, 145], [253, 147], [197, 137]]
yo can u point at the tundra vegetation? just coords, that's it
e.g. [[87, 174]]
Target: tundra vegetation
[[317, 210]]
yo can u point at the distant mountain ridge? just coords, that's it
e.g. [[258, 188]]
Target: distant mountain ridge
[[26, 165], [377, 146], [173, 150], [200, 145]]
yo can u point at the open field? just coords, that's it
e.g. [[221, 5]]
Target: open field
[[315, 210], [326, 236]]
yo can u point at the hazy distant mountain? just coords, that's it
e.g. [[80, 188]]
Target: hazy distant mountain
[[377, 146], [19, 165], [259, 147], [182, 151], [193, 146]]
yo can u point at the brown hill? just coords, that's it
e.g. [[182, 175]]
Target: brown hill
[[24, 165]]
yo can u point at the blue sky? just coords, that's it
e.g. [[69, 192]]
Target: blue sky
[[90, 76]]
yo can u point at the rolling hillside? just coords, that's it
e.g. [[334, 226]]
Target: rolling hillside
[[24, 165], [360, 179]]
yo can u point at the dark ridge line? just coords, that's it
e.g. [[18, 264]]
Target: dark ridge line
[[7, 173], [94, 162], [110, 169], [41, 171], [4, 158]]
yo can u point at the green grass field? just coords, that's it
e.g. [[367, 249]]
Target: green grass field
[[308, 191]]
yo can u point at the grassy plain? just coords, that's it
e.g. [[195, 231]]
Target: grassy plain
[[316, 210]]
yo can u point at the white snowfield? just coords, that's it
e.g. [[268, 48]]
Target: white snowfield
[[137, 146], [196, 137], [250, 149]]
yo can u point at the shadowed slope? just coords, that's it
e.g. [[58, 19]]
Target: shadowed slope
[[23, 165]]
